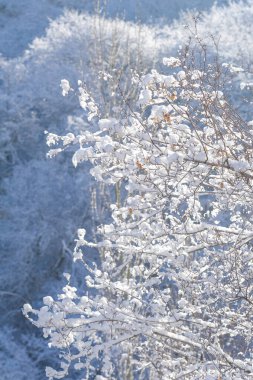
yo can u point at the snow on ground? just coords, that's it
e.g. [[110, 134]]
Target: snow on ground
[[42, 42], [23, 20]]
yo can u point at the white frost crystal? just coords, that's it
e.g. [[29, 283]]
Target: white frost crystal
[[65, 87]]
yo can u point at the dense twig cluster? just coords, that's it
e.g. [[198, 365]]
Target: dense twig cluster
[[175, 285]]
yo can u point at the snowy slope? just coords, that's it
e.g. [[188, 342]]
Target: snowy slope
[[23, 20], [38, 191]]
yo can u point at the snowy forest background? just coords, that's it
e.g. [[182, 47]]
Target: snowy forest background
[[44, 201]]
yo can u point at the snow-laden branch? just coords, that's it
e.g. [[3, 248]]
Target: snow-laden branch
[[174, 290]]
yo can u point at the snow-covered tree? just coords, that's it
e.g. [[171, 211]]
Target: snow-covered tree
[[174, 291], [42, 201], [34, 191]]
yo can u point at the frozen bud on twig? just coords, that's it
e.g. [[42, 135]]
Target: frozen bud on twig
[[65, 87]]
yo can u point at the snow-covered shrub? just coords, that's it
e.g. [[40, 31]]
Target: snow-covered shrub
[[175, 287], [76, 46], [15, 360], [42, 203], [33, 232], [100, 52], [38, 228], [23, 20], [230, 26]]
